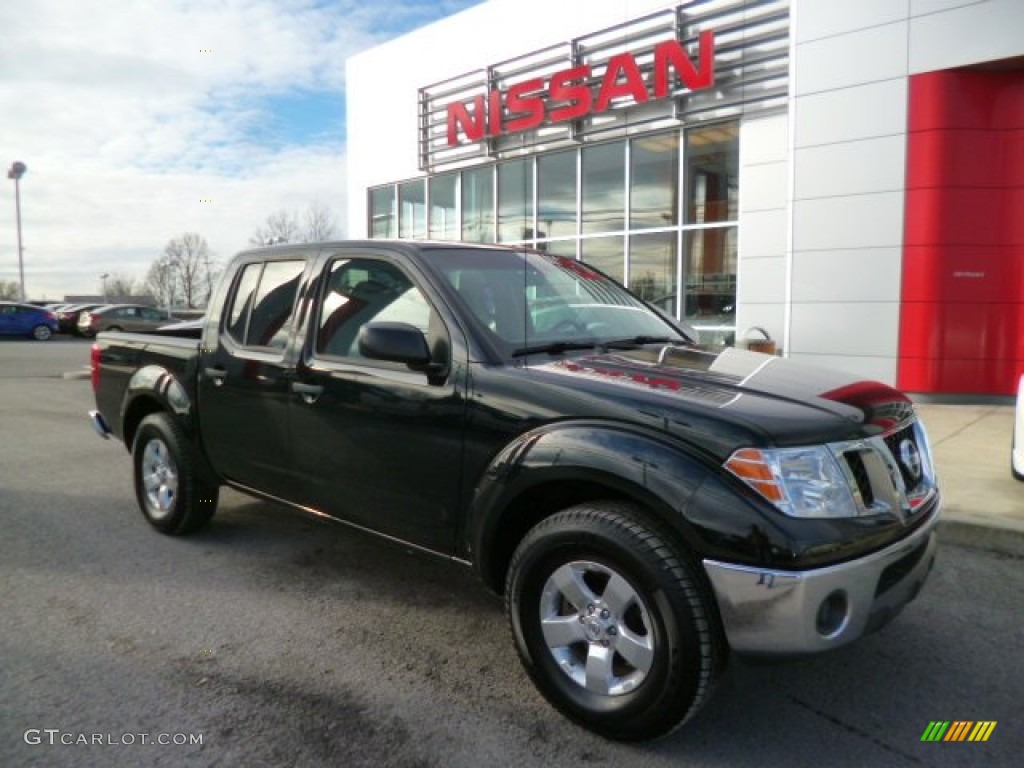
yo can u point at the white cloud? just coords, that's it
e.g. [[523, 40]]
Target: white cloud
[[126, 122]]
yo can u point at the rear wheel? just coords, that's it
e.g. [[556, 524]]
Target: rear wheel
[[612, 622], [42, 333], [174, 496]]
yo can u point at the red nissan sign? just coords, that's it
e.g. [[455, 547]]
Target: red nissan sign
[[569, 93]]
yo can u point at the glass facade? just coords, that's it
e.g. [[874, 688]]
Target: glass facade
[[658, 212]]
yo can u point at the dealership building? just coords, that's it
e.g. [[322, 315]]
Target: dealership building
[[844, 178]]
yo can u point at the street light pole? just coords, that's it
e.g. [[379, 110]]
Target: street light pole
[[16, 171]]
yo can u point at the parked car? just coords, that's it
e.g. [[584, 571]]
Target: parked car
[[121, 317], [67, 317], [1017, 443], [27, 320], [645, 507]]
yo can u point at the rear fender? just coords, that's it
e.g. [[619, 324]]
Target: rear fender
[[154, 388]]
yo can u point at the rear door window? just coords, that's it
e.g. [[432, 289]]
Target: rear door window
[[264, 302]]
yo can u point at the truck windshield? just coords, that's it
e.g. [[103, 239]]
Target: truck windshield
[[533, 302]]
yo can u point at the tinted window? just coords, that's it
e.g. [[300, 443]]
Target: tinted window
[[263, 303], [360, 291]]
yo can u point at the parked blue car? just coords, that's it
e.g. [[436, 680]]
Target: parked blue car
[[26, 320]]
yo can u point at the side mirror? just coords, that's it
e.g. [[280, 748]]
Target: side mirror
[[395, 342]]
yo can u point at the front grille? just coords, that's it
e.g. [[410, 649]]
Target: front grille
[[894, 442], [860, 477]]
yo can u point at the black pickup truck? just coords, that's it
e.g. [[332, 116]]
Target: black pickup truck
[[646, 507]]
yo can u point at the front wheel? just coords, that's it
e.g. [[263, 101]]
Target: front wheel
[[173, 494], [612, 622]]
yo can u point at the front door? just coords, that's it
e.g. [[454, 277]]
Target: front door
[[377, 444]]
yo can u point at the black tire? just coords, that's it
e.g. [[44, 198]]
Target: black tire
[[174, 495], [42, 332], [668, 623]]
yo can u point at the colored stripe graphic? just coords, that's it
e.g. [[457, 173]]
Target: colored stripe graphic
[[958, 730], [982, 730], [935, 730]]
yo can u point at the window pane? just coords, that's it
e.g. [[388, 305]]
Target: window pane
[[241, 304], [712, 173], [275, 300], [604, 194], [652, 269], [360, 291], [606, 253], [559, 247], [654, 181], [710, 268], [383, 212], [478, 205], [515, 200], [556, 194], [443, 222], [412, 210]]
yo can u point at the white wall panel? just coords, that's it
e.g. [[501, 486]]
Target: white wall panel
[[863, 366], [967, 35], [878, 53], [762, 281], [763, 187], [851, 168], [763, 233], [866, 274], [850, 328], [922, 7], [848, 114], [858, 221], [825, 18], [764, 140]]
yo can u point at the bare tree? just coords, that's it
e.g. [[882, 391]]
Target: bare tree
[[9, 290], [320, 224], [280, 227], [119, 287], [188, 258], [162, 281]]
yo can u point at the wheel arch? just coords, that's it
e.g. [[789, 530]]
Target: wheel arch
[[552, 469], [152, 389]]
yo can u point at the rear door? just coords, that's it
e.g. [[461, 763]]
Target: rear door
[[245, 376], [376, 443]]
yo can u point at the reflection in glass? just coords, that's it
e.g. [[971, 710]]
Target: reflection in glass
[[444, 224], [607, 254], [556, 194], [515, 200], [559, 247], [383, 212], [604, 187], [652, 269], [478, 205], [712, 173], [710, 269], [412, 210], [654, 181]]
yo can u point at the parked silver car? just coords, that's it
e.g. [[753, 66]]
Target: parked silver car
[[121, 317]]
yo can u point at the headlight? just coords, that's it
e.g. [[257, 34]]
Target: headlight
[[800, 482]]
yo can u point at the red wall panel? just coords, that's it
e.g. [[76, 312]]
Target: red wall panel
[[962, 311]]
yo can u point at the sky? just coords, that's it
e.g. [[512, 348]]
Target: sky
[[140, 120]]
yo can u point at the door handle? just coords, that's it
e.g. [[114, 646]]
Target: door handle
[[216, 375], [309, 392]]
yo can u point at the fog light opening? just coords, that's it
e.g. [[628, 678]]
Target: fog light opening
[[833, 613]]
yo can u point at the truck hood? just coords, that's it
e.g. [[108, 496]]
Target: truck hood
[[734, 397]]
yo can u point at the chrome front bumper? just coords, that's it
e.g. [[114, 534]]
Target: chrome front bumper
[[794, 612]]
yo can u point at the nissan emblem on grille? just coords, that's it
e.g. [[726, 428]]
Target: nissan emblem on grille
[[911, 458]]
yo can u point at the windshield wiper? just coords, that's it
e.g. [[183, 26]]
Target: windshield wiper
[[555, 347], [639, 341]]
